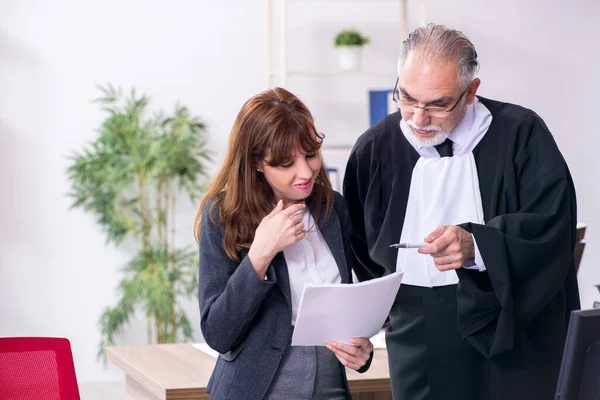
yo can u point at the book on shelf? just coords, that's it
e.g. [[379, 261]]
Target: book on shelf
[[381, 103]]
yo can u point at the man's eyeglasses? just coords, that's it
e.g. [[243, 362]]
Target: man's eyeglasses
[[412, 106]]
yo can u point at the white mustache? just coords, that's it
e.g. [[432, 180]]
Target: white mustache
[[428, 128]]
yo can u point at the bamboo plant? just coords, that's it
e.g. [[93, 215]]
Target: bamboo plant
[[131, 177]]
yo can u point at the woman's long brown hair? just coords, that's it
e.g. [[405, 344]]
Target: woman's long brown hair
[[273, 124]]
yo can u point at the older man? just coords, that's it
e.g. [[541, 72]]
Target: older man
[[485, 301]]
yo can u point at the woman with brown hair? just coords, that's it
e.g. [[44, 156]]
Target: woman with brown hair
[[269, 223]]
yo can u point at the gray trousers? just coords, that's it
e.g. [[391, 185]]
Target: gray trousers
[[308, 373]]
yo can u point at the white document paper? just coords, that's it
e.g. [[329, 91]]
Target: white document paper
[[203, 347], [378, 340], [338, 312]]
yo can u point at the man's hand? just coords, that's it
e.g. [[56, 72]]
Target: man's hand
[[450, 246]]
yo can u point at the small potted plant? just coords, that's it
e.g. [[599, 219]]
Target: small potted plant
[[350, 43]]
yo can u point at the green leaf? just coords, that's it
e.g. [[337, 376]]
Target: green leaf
[[350, 37], [122, 177]]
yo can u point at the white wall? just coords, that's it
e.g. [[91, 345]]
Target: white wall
[[57, 275]]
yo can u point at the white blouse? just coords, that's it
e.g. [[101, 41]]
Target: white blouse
[[309, 261]]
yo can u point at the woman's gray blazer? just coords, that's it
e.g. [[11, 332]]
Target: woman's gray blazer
[[248, 320]]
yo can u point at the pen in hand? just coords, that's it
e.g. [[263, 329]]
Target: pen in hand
[[408, 245]]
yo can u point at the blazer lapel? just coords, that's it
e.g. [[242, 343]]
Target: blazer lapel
[[283, 277]]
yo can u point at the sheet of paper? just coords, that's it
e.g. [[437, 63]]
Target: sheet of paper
[[343, 311], [379, 340], [206, 349]]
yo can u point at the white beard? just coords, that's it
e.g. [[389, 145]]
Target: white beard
[[428, 142]]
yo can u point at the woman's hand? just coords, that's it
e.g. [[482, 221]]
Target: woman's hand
[[279, 229], [350, 356]]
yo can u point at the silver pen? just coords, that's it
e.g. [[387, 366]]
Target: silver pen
[[408, 245]]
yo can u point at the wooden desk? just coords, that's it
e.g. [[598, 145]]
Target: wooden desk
[[181, 372]]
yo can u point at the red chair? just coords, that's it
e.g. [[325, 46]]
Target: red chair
[[37, 368]]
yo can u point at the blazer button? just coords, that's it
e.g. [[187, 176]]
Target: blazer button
[[443, 301]]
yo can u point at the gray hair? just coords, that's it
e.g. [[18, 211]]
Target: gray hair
[[440, 43]]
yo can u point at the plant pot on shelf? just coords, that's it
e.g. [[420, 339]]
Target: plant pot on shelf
[[350, 57]]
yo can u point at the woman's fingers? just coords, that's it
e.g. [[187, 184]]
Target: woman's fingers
[[364, 343], [346, 362], [276, 210], [293, 209], [352, 356]]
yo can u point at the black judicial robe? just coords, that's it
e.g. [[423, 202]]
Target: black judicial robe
[[512, 318]]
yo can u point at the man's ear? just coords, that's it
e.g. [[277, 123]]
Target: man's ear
[[472, 91]]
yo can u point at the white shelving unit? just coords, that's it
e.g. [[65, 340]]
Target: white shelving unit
[[282, 70], [335, 156]]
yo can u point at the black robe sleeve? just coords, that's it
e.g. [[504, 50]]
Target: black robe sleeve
[[528, 241], [342, 211], [359, 178]]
